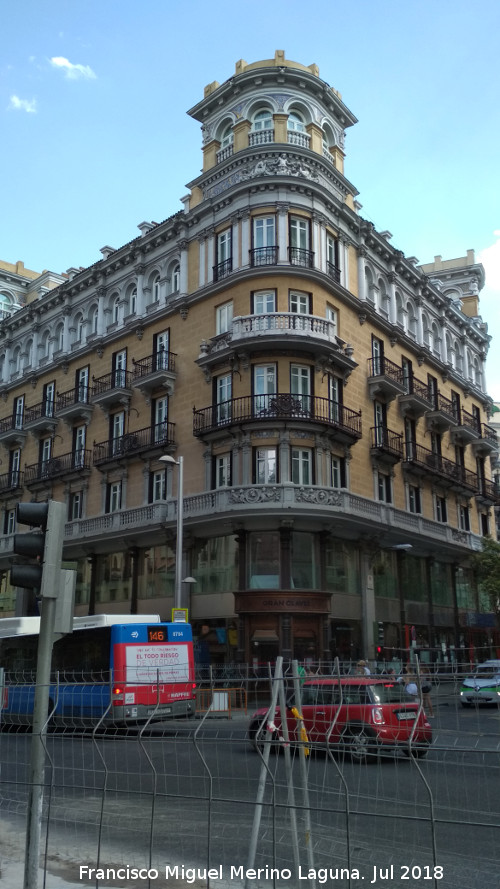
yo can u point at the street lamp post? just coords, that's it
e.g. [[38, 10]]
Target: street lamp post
[[180, 519]]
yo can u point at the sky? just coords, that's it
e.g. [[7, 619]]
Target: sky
[[95, 139]]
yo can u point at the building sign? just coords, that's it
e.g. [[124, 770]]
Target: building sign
[[282, 602]]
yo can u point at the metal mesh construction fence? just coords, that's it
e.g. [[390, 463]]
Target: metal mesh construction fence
[[194, 802]]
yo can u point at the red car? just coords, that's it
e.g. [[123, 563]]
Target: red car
[[361, 716]]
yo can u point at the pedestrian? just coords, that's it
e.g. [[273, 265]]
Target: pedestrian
[[426, 688], [410, 681], [362, 669]]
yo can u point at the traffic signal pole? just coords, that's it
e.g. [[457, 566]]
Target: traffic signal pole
[[49, 591]]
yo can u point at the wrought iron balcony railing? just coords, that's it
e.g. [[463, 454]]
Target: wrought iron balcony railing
[[299, 256], [283, 406], [133, 443], [56, 467], [263, 256], [223, 269]]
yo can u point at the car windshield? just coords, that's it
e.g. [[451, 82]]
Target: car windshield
[[485, 673], [388, 693]]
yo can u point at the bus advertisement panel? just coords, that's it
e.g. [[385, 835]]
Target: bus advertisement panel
[[114, 669], [153, 669]]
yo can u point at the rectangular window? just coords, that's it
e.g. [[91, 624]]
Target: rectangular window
[[264, 228], [224, 317], [9, 524], [75, 510], [264, 560], [224, 246], [157, 486], [300, 386], [49, 393], [463, 518], [299, 233], [266, 461], [338, 474], [45, 452], [441, 510], [377, 357], [18, 413], [264, 302], [302, 465], [161, 346], [160, 418], [82, 384], [223, 390], [14, 467], [264, 387], [117, 427], [485, 523], [120, 369], [332, 316], [114, 497], [222, 471], [384, 487], [414, 501], [300, 303], [79, 437]]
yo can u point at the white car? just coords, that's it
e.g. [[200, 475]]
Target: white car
[[482, 686]]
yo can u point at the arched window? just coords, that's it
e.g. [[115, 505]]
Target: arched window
[[227, 137], [60, 338], [295, 122], [5, 305], [176, 279], [155, 288], [401, 315], [116, 310], [263, 120], [133, 301]]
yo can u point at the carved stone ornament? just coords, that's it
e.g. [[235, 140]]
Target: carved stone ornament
[[319, 496], [254, 495], [281, 166]]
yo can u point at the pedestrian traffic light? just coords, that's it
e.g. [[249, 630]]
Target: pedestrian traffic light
[[43, 546]]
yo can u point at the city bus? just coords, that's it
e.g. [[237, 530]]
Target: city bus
[[112, 669]]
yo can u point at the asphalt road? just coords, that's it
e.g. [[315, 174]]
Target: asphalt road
[[186, 793]]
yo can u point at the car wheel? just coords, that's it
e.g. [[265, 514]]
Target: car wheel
[[417, 750], [360, 744]]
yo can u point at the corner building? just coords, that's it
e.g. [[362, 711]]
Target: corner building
[[326, 392]]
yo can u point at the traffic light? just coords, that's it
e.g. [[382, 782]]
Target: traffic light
[[44, 546], [381, 636]]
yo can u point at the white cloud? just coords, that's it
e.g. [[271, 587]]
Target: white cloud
[[72, 71], [17, 104]]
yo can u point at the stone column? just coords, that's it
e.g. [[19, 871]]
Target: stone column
[[139, 270], [362, 253], [282, 233], [183, 283]]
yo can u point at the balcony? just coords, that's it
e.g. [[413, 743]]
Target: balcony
[[223, 269], [487, 442], [301, 257], [261, 137], [468, 428], [155, 372], [340, 423], [424, 462], [10, 482], [417, 399], [385, 379], [40, 417], [300, 139], [112, 388], [386, 445], [274, 331], [489, 492], [443, 415], [74, 405], [260, 256], [333, 271], [66, 466], [12, 431], [132, 445]]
